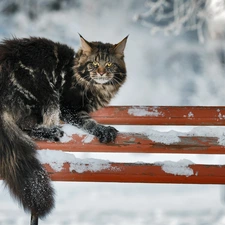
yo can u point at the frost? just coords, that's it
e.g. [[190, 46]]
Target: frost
[[143, 111], [177, 168], [56, 160]]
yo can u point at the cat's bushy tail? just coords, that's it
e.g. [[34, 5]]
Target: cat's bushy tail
[[24, 175]]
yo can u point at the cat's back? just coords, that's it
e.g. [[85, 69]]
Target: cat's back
[[34, 52]]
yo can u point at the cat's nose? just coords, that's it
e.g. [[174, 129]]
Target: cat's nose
[[101, 71]]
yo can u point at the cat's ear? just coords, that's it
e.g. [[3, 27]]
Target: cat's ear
[[85, 45], [119, 48]]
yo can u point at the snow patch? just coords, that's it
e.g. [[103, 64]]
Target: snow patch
[[190, 115], [82, 165], [69, 130], [88, 138], [172, 136], [56, 159], [177, 168], [163, 137], [220, 115], [218, 132], [143, 111]]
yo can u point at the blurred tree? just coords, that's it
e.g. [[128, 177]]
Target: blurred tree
[[34, 8], [179, 16], [9, 7]]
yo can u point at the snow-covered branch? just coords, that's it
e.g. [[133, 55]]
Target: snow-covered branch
[[178, 16]]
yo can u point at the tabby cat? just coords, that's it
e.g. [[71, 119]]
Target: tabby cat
[[41, 83]]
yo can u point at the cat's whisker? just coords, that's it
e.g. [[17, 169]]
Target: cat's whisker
[[116, 82], [80, 79], [120, 73], [112, 83]]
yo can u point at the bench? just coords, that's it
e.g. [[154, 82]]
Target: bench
[[183, 172]]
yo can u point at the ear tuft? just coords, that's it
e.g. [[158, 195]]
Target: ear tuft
[[85, 45], [119, 48]]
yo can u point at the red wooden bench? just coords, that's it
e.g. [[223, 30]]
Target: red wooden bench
[[141, 143]]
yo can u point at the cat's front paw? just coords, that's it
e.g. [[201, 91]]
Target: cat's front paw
[[105, 134]]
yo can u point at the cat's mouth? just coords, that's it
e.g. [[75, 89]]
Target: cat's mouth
[[101, 79]]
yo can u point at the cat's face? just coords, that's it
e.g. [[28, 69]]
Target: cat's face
[[102, 69], [102, 63]]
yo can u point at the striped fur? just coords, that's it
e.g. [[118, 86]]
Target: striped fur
[[42, 82]]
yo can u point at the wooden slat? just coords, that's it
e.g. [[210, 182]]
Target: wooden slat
[[142, 173], [162, 115], [138, 143]]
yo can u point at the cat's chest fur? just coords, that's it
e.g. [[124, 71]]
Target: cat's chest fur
[[87, 97], [100, 96]]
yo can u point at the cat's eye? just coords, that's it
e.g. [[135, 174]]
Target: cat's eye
[[108, 64], [95, 64]]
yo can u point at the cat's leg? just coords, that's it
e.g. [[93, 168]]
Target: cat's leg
[[83, 120], [49, 129]]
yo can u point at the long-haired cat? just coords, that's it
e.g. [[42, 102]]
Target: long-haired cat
[[42, 82]]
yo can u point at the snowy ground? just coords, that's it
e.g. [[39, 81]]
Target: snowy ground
[[122, 204], [161, 68]]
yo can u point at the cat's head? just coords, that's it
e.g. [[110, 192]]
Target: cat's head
[[99, 63]]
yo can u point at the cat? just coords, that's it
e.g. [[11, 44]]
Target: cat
[[41, 83]]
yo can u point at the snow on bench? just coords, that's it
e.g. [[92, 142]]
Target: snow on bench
[[62, 165]]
